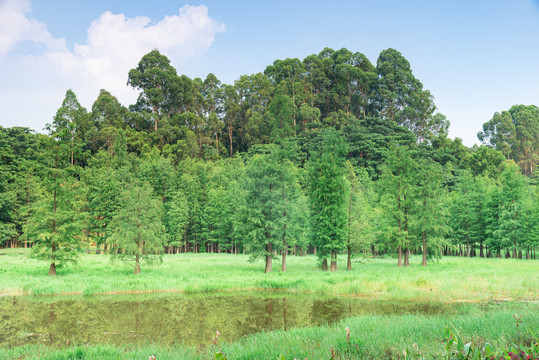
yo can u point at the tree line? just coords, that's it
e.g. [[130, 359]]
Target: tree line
[[325, 155]]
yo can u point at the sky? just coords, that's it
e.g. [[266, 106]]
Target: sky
[[475, 57]]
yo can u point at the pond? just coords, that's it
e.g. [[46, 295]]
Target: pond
[[190, 319]]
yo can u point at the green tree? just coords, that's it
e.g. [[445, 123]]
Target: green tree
[[55, 223], [397, 194], [401, 98], [516, 134], [327, 192], [163, 91], [138, 233], [465, 213], [69, 126], [511, 219], [432, 213], [176, 220], [266, 185]]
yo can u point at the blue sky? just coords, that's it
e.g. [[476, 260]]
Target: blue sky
[[476, 57]]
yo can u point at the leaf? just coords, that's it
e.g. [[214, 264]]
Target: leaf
[[488, 349], [219, 356]]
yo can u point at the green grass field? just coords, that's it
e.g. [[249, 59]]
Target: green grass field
[[451, 279]]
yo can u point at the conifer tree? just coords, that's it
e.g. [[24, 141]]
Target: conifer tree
[[397, 197], [55, 224], [511, 220], [328, 187], [138, 233]]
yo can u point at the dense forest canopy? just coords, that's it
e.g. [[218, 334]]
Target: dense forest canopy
[[327, 154]]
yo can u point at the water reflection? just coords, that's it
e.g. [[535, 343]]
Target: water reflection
[[168, 319]]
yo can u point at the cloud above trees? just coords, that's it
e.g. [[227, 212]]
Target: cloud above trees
[[114, 44]]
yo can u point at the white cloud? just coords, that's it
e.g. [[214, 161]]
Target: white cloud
[[114, 45], [16, 27]]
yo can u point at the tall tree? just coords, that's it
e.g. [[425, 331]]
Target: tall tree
[[511, 221], [160, 85], [327, 192], [516, 134], [432, 213], [263, 206], [55, 223], [465, 213], [69, 126], [138, 233], [401, 98], [397, 197]]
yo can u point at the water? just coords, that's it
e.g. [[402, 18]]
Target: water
[[168, 319]]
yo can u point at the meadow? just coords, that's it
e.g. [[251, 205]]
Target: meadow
[[452, 279]]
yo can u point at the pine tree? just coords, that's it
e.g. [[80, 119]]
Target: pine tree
[[138, 233], [328, 187], [55, 224], [511, 219], [397, 197], [266, 179], [432, 213]]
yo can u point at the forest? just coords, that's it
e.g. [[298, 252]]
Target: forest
[[330, 155]]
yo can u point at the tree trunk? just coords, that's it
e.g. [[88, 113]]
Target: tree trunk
[[52, 269], [333, 260], [268, 257], [424, 262], [285, 249], [325, 264], [137, 264], [349, 247], [406, 256], [400, 256]]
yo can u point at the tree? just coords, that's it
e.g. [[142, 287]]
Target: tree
[[432, 213], [516, 134], [465, 213], [401, 98], [55, 223], [176, 219], [328, 195], [511, 220], [270, 187], [138, 232], [160, 85], [69, 126], [397, 197]]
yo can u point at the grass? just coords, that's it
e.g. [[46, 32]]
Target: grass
[[452, 279], [371, 337]]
